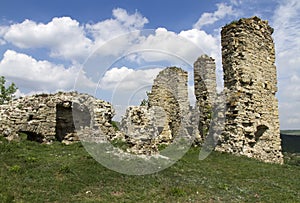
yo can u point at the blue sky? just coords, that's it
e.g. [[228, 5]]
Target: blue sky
[[45, 45]]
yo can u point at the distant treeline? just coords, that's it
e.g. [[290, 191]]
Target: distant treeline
[[290, 142]]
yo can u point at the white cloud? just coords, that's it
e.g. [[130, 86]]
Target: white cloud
[[18, 94], [289, 115], [3, 30], [211, 45], [136, 21], [208, 43], [66, 38], [128, 86], [121, 23], [210, 18], [127, 79], [164, 45], [191, 95], [33, 75], [287, 25], [63, 36]]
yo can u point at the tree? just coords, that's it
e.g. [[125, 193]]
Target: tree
[[6, 94], [145, 102]]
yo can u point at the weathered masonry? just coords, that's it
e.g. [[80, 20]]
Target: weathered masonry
[[48, 117], [251, 116], [145, 127], [170, 92], [252, 122], [205, 91]]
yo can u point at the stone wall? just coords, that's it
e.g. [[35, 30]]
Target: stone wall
[[250, 84], [48, 117], [252, 123], [168, 113], [142, 128], [170, 92], [205, 91]]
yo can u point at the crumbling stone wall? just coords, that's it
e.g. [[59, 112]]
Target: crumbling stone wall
[[170, 92], [205, 91], [168, 113], [49, 117], [147, 127], [141, 127], [252, 123]]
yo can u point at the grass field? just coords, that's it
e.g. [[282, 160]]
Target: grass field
[[32, 172]]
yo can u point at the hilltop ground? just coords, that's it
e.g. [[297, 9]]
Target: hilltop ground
[[32, 172]]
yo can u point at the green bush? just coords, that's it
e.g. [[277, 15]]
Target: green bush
[[6, 94]]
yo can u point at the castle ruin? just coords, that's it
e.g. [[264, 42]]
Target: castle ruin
[[49, 117], [250, 80], [205, 91], [160, 121], [250, 84], [170, 92]]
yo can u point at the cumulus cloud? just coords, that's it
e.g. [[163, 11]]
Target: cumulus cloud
[[209, 18], [168, 46], [121, 23], [127, 86], [3, 30], [63, 36], [34, 75], [208, 43], [127, 79], [66, 38]]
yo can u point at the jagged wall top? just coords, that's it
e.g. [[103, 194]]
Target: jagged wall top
[[254, 23]]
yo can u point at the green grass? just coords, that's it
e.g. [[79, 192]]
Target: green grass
[[32, 172]]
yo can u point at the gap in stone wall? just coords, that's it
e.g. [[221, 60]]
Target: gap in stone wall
[[32, 136], [64, 120]]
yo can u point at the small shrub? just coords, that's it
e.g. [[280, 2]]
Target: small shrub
[[115, 125]]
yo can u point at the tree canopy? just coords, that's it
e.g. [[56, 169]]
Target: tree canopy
[[6, 93]]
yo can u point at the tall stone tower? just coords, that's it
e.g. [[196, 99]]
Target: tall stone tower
[[252, 122], [205, 90]]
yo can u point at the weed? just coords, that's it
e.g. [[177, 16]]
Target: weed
[[15, 168], [177, 192], [65, 169], [115, 125], [120, 144]]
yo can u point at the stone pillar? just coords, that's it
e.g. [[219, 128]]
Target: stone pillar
[[205, 91], [252, 122], [170, 92]]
